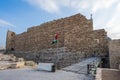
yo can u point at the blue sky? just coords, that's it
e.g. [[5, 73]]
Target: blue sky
[[18, 15]]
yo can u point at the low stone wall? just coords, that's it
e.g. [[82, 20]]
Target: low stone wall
[[21, 54], [62, 57], [108, 74]]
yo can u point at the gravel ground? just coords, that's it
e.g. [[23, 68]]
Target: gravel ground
[[32, 74], [74, 72]]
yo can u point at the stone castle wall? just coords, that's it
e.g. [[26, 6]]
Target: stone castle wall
[[10, 40], [64, 57], [75, 33], [92, 42], [114, 52], [40, 37], [107, 74]]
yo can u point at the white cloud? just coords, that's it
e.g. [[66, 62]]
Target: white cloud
[[113, 25], [5, 23], [54, 6], [47, 5], [102, 4]]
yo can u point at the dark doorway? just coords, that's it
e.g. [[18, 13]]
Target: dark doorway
[[105, 62], [12, 49]]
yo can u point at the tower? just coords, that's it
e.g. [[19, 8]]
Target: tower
[[10, 42]]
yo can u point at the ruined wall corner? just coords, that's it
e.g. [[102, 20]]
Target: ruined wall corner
[[10, 40]]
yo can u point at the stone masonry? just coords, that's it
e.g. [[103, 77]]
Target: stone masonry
[[64, 57], [114, 53], [75, 33], [44, 33], [107, 74]]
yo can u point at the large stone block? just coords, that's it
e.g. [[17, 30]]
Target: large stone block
[[17, 65]]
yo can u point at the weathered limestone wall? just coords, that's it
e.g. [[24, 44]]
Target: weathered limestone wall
[[91, 42], [114, 52], [10, 41], [107, 74], [40, 37], [62, 57], [75, 33]]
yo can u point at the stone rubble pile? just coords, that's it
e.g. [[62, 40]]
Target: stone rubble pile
[[10, 57], [11, 62]]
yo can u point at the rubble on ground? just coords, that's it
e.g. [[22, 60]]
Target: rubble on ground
[[9, 61]]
